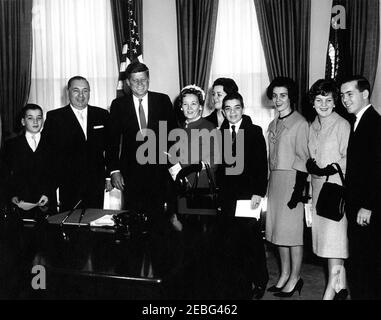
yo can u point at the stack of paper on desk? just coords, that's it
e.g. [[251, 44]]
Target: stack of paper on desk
[[244, 209], [105, 220]]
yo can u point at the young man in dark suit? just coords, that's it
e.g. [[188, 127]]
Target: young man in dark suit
[[144, 184], [245, 237], [363, 180], [27, 160], [76, 135]]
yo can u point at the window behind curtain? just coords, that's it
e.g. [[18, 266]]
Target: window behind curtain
[[72, 37], [238, 54]]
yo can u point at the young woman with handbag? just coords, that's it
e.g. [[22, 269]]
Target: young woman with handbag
[[327, 145]]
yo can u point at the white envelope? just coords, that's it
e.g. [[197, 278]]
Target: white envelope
[[243, 209]]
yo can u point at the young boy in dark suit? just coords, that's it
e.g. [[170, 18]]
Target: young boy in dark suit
[[246, 143], [27, 162]]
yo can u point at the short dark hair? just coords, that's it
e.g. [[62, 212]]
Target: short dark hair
[[135, 67], [194, 91], [362, 82], [80, 78], [232, 96], [30, 106], [324, 87], [228, 85], [287, 83]]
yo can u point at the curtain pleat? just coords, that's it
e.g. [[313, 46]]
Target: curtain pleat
[[119, 10], [196, 28], [15, 59], [284, 27], [363, 23]]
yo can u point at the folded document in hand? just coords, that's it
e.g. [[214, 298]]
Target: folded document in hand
[[243, 209], [26, 205]]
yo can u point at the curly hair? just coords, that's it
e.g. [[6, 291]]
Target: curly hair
[[199, 94], [324, 87]]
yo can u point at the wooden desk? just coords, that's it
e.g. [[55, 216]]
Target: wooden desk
[[84, 262], [196, 263]]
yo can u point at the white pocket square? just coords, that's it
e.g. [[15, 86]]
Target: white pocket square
[[98, 127]]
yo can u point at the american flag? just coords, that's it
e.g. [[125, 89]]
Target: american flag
[[132, 49], [337, 59]]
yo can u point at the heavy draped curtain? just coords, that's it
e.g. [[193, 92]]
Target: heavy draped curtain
[[284, 26], [15, 59], [363, 19], [120, 22], [376, 94], [196, 28]]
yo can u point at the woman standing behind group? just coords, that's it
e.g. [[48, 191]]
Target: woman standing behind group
[[287, 138], [221, 87], [327, 144]]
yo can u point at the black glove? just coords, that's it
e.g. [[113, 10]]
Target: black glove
[[297, 195], [329, 170], [313, 168]]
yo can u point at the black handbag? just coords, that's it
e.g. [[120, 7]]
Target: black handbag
[[193, 198], [331, 203]]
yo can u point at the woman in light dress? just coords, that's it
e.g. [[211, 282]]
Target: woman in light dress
[[327, 144], [287, 138]]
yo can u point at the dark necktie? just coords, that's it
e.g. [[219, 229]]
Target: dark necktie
[[234, 135], [142, 117]]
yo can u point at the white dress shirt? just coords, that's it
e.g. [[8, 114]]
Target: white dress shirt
[[359, 116], [145, 107], [81, 116], [33, 143], [237, 125]]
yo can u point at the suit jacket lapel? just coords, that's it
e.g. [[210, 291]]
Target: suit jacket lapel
[[151, 111], [26, 145], [362, 123], [131, 116], [90, 122]]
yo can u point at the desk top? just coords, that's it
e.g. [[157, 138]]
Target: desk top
[[102, 253]]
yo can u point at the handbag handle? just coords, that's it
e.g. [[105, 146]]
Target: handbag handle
[[196, 168], [335, 164], [212, 185]]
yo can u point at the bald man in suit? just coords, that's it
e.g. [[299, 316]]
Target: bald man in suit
[[77, 135]]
